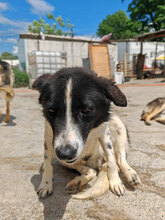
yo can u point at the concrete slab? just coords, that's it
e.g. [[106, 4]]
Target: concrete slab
[[21, 154]]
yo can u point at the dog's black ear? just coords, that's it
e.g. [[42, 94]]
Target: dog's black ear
[[113, 93], [41, 81]]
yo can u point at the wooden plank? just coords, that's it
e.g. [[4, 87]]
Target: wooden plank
[[140, 65], [99, 60], [125, 64]]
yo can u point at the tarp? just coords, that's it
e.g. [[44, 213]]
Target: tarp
[[160, 58]]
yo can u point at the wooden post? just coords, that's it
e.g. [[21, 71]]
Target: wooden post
[[155, 58], [125, 64], [141, 47], [164, 62], [140, 64], [38, 45]]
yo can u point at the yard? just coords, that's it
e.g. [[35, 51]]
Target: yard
[[21, 155]]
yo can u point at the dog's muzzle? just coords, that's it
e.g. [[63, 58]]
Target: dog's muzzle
[[66, 153]]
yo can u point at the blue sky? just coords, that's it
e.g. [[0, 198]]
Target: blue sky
[[15, 15]]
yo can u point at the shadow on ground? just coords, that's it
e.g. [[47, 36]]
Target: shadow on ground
[[55, 205], [11, 123]]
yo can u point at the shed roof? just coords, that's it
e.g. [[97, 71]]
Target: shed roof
[[61, 38], [151, 35]]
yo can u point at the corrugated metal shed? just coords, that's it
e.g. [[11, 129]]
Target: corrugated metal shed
[[75, 48]]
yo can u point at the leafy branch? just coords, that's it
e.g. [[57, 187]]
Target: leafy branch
[[57, 28]]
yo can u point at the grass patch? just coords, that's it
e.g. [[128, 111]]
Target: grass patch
[[21, 78]]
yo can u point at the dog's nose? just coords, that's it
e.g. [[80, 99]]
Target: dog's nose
[[67, 152]]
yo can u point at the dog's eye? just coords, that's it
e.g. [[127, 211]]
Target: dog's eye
[[51, 110], [85, 110]]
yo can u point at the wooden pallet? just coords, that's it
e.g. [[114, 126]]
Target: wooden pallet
[[99, 60]]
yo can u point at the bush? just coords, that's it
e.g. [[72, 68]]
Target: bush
[[21, 78]]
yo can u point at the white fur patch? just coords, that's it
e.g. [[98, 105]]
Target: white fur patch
[[70, 134], [68, 96]]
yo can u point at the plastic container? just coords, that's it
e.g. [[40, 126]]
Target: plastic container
[[45, 62], [119, 77]]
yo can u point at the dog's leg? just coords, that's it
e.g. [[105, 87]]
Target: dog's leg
[[120, 143], [46, 186], [99, 187], [115, 183], [0, 113], [7, 116], [143, 116], [153, 113], [77, 183], [160, 120]]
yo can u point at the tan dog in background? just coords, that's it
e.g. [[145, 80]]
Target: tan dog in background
[[154, 110], [6, 86]]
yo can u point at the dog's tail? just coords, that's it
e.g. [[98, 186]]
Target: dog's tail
[[98, 188], [9, 90]]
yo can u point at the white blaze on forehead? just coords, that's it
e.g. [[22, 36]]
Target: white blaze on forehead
[[68, 95], [70, 134]]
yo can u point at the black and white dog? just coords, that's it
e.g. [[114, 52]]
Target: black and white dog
[[83, 132]]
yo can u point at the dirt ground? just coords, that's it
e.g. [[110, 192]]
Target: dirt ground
[[21, 154]]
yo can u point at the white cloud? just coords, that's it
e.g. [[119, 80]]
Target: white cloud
[[19, 24], [15, 50], [3, 6], [40, 6], [11, 40]]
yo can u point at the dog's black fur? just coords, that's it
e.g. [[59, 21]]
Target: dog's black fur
[[91, 98], [81, 130]]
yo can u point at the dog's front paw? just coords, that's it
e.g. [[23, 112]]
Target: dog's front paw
[[132, 177], [6, 120], [147, 123], [116, 187], [45, 189], [74, 186]]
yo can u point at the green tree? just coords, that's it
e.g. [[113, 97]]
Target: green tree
[[57, 28], [119, 25], [150, 13], [8, 56]]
